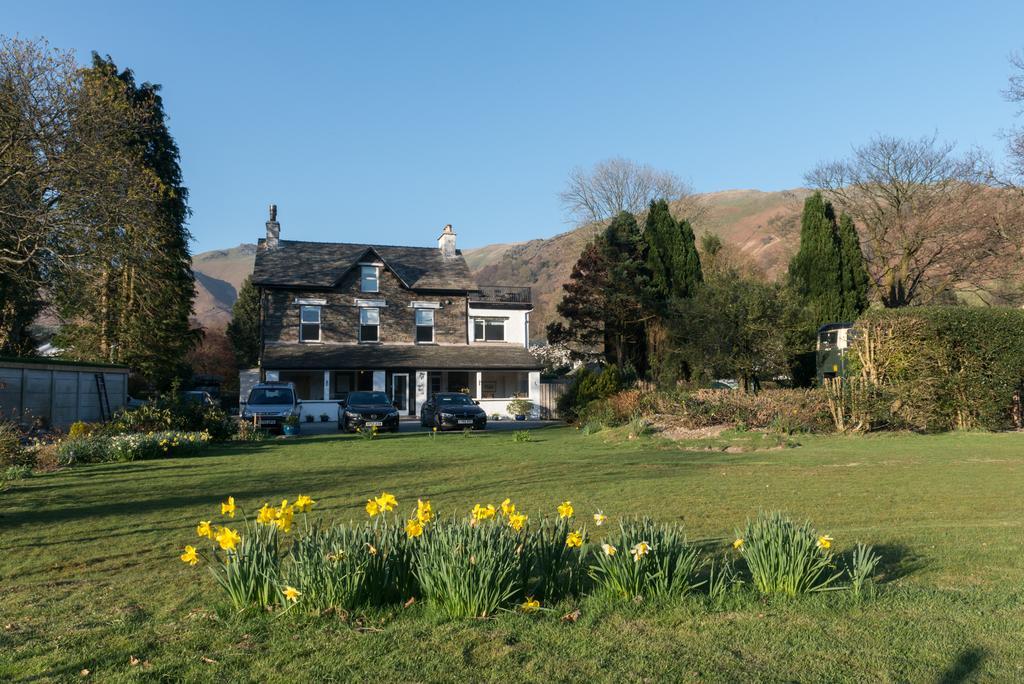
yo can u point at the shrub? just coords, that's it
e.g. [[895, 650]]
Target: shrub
[[92, 449], [785, 558], [17, 472], [522, 436], [784, 410], [82, 429], [13, 452], [247, 432], [519, 407], [646, 560], [169, 412], [588, 386], [938, 368]]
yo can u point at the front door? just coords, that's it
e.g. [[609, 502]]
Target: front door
[[400, 392]]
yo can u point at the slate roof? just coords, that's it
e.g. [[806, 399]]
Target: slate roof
[[294, 263], [404, 356]]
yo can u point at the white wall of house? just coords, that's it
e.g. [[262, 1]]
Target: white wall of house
[[517, 323]]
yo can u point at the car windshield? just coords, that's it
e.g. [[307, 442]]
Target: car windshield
[[263, 396], [454, 400], [368, 398]]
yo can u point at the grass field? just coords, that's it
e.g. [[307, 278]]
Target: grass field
[[91, 581]]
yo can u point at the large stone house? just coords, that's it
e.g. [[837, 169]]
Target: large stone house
[[410, 321]]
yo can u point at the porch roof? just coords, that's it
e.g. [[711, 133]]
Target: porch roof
[[405, 356]]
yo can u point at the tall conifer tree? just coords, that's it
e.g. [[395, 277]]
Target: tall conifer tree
[[244, 328], [854, 275], [672, 257], [815, 272]]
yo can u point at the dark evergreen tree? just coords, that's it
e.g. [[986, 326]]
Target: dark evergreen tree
[[854, 275], [672, 257], [815, 272], [129, 298], [244, 329]]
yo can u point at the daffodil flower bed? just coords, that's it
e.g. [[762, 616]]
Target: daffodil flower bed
[[134, 446], [495, 558]]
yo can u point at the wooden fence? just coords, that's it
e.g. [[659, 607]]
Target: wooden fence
[[549, 394]]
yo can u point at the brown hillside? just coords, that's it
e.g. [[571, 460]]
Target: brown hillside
[[763, 225]]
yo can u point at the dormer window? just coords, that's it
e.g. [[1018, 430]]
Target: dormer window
[[369, 278], [309, 324]]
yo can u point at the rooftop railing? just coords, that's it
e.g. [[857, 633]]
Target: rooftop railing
[[501, 294]]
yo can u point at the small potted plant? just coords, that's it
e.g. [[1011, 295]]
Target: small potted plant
[[291, 425], [520, 408], [310, 418], [324, 417]]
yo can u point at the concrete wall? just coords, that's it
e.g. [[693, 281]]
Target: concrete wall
[[59, 393]]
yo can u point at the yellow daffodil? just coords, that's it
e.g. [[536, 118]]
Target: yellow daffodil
[[507, 507], [825, 542], [413, 528], [386, 502], [483, 512], [372, 508], [738, 544], [574, 540], [600, 518], [372, 549], [565, 509], [516, 521], [608, 549], [424, 511], [284, 517], [303, 503], [228, 507], [190, 556], [640, 550], [292, 594], [228, 538], [529, 605], [266, 514], [203, 529]]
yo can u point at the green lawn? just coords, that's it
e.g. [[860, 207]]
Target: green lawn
[[90, 577]]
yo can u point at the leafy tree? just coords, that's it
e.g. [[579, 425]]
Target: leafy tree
[[244, 329], [735, 327], [602, 305]]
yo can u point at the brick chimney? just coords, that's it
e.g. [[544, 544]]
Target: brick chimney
[[446, 243], [273, 229]]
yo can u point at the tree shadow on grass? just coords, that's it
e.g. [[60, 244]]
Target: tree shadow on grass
[[897, 561], [966, 664]]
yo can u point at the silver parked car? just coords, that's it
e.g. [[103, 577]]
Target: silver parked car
[[271, 403]]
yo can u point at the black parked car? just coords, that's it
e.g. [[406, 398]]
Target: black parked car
[[452, 410], [368, 410]]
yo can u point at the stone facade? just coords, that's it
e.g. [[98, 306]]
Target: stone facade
[[339, 317]]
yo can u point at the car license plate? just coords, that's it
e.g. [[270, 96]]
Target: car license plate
[[268, 421], [374, 423], [468, 421]]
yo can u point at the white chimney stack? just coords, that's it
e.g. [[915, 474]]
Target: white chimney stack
[[446, 243], [273, 229]]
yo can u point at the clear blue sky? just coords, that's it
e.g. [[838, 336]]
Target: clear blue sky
[[383, 121]]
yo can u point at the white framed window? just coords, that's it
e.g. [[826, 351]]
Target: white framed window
[[424, 325], [369, 278], [309, 324], [489, 329], [369, 325]]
